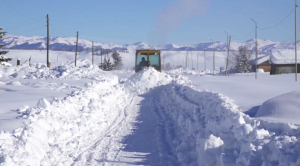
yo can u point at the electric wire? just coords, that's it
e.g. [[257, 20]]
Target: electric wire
[[32, 30], [13, 13], [24, 25], [22, 14], [105, 39], [279, 22], [244, 36]]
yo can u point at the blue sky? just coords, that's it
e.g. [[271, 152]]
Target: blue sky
[[150, 21]]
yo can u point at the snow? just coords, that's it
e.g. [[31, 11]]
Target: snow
[[68, 43], [146, 79], [260, 59], [283, 56], [69, 115], [246, 91], [282, 108]]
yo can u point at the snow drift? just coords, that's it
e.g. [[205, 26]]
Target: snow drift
[[207, 128], [283, 108], [210, 130], [146, 79], [58, 131]]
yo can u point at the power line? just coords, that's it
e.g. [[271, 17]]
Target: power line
[[22, 14], [279, 22], [244, 36], [32, 30], [24, 25], [103, 39]]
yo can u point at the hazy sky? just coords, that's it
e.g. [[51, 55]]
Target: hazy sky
[[150, 21]]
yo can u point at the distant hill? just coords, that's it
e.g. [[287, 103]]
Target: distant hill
[[68, 43]]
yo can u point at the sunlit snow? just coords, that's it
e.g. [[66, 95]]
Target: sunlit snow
[[69, 115]]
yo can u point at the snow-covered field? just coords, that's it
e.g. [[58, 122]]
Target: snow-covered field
[[81, 115]]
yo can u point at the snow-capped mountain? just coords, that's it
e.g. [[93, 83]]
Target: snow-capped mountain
[[68, 43]]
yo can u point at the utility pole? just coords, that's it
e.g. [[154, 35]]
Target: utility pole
[[296, 68], [213, 57], [214, 60], [48, 63], [92, 53], [192, 60], [204, 62], [228, 55], [197, 60], [76, 50], [255, 48], [226, 73], [101, 56], [186, 60], [107, 54], [164, 59]]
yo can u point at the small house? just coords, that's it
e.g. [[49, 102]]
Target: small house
[[283, 61], [262, 62]]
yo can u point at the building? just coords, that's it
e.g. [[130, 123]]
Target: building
[[283, 61], [262, 62]]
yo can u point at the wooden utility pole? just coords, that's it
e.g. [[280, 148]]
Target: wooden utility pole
[[296, 70], [192, 60], [76, 50], [255, 48], [92, 53], [101, 55], [197, 60], [213, 55], [226, 73], [214, 59], [186, 59], [204, 61], [228, 55], [164, 59], [48, 63]]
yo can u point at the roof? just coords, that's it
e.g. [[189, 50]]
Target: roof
[[260, 59], [283, 56]]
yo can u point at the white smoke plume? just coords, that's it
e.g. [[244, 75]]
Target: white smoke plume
[[171, 17]]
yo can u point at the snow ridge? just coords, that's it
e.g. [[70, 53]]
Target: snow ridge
[[210, 130], [194, 127], [58, 132]]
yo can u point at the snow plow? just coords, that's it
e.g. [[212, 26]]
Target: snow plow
[[147, 58]]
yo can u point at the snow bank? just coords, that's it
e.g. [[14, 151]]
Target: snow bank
[[283, 108], [84, 70], [57, 132], [146, 79], [181, 71], [211, 130], [14, 83], [260, 70]]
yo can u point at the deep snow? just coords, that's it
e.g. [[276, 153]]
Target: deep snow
[[282, 108], [145, 118]]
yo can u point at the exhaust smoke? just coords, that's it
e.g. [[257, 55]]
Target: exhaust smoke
[[171, 17]]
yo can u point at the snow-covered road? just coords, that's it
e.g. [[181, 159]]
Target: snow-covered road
[[135, 138], [146, 118]]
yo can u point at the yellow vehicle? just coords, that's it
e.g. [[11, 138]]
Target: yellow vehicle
[[146, 58]]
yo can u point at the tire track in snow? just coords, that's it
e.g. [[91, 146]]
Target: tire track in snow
[[103, 141], [166, 135], [151, 143], [156, 127]]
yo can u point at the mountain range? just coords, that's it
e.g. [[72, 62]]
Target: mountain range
[[69, 44]]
